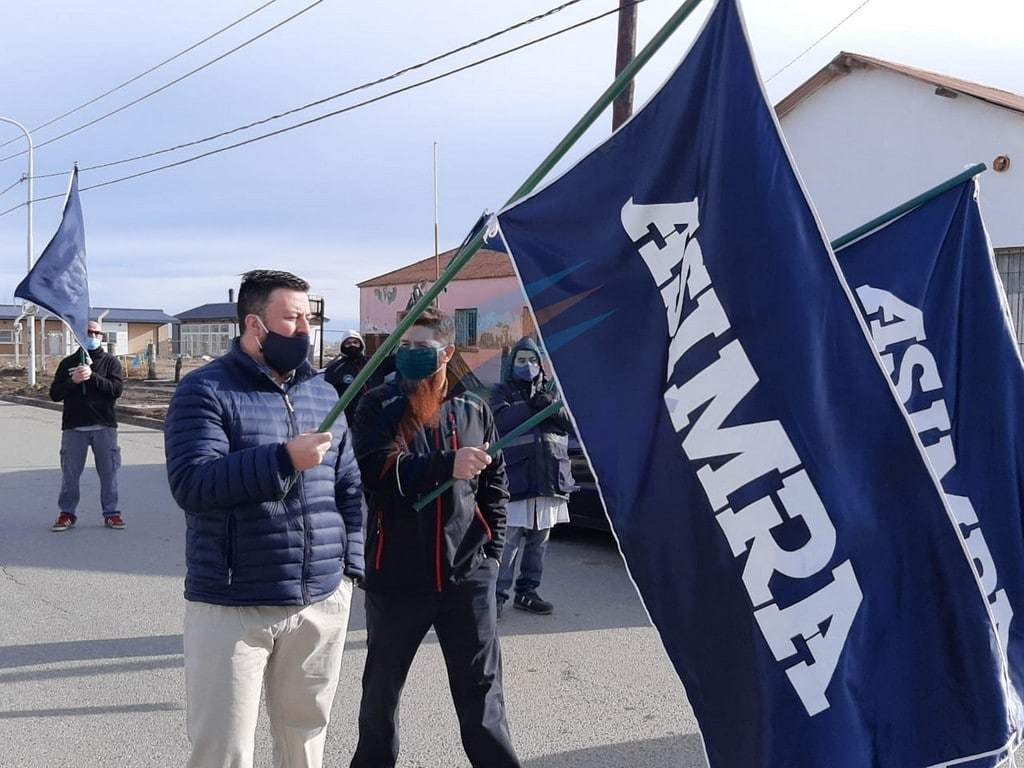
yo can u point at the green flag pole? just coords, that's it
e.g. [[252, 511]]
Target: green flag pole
[[526, 426], [899, 210], [838, 243], [474, 244]]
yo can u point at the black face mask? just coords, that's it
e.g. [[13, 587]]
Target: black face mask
[[284, 353], [353, 350]]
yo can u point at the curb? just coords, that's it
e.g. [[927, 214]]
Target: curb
[[122, 418]]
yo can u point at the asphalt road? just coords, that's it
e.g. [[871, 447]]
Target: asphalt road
[[91, 650]]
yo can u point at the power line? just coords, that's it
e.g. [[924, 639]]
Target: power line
[[165, 86], [324, 100], [155, 67], [5, 190], [337, 112], [808, 49]]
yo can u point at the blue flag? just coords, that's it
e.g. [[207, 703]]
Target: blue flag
[[773, 505], [58, 281], [938, 316]]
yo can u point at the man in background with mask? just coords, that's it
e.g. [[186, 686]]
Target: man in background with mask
[[435, 567], [343, 371], [539, 474], [274, 536], [88, 391]]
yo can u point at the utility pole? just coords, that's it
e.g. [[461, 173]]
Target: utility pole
[[622, 108], [29, 309], [437, 248]]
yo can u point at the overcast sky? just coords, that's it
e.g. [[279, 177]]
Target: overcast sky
[[351, 197]]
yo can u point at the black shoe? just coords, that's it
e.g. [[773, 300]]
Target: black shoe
[[532, 602]]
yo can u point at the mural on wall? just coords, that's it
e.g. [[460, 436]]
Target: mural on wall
[[386, 294]]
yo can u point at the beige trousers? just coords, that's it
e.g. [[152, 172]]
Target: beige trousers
[[231, 653]]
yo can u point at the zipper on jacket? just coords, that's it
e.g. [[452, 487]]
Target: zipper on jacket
[[455, 447], [455, 431], [438, 443], [307, 545], [230, 546]]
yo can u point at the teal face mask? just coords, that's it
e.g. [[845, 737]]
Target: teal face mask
[[415, 363]]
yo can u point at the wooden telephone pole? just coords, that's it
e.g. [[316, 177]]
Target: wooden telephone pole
[[622, 109]]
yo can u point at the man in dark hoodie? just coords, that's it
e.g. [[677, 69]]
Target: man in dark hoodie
[[539, 475], [88, 391], [435, 567], [343, 371]]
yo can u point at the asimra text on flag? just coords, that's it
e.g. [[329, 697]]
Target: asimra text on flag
[[771, 500]]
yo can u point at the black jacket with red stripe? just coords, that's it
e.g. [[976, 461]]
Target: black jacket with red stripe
[[449, 538]]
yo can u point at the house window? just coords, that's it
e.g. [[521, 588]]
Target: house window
[[1010, 262], [465, 327], [6, 337]]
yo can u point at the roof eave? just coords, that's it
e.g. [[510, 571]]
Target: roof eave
[[846, 62]]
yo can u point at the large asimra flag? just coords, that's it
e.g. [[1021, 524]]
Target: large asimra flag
[[928, 286], [59, 280], [773, 505]]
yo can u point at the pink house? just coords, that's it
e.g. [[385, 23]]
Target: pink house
[[485, 299]]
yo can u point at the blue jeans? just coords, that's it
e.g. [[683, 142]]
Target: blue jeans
[[74, 446], [532, 544]]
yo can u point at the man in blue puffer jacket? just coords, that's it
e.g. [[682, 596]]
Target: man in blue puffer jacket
[[539, 474], [270, 565]]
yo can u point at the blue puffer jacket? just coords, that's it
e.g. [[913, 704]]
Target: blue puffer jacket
[[538, 462], [246, 543]]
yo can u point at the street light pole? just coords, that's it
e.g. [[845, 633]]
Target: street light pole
[[28, 204]]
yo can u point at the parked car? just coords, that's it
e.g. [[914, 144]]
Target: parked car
[[585, 507]]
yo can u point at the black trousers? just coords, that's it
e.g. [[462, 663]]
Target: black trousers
[[464, 619]]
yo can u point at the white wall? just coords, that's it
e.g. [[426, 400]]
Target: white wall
[[873, 139]]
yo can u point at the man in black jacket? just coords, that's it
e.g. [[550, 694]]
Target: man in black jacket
[[436, 567], [343, 371], [88, 392]]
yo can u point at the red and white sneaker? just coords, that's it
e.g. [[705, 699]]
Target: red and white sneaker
[[64, 522], [114, 521]]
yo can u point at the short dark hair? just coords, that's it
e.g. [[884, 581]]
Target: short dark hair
[[437, 321], [258, 284]]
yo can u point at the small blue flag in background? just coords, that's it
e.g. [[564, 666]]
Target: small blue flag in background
[[59, 280]]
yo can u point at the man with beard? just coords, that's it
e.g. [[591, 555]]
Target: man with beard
[[343, 371], [437, 567]]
